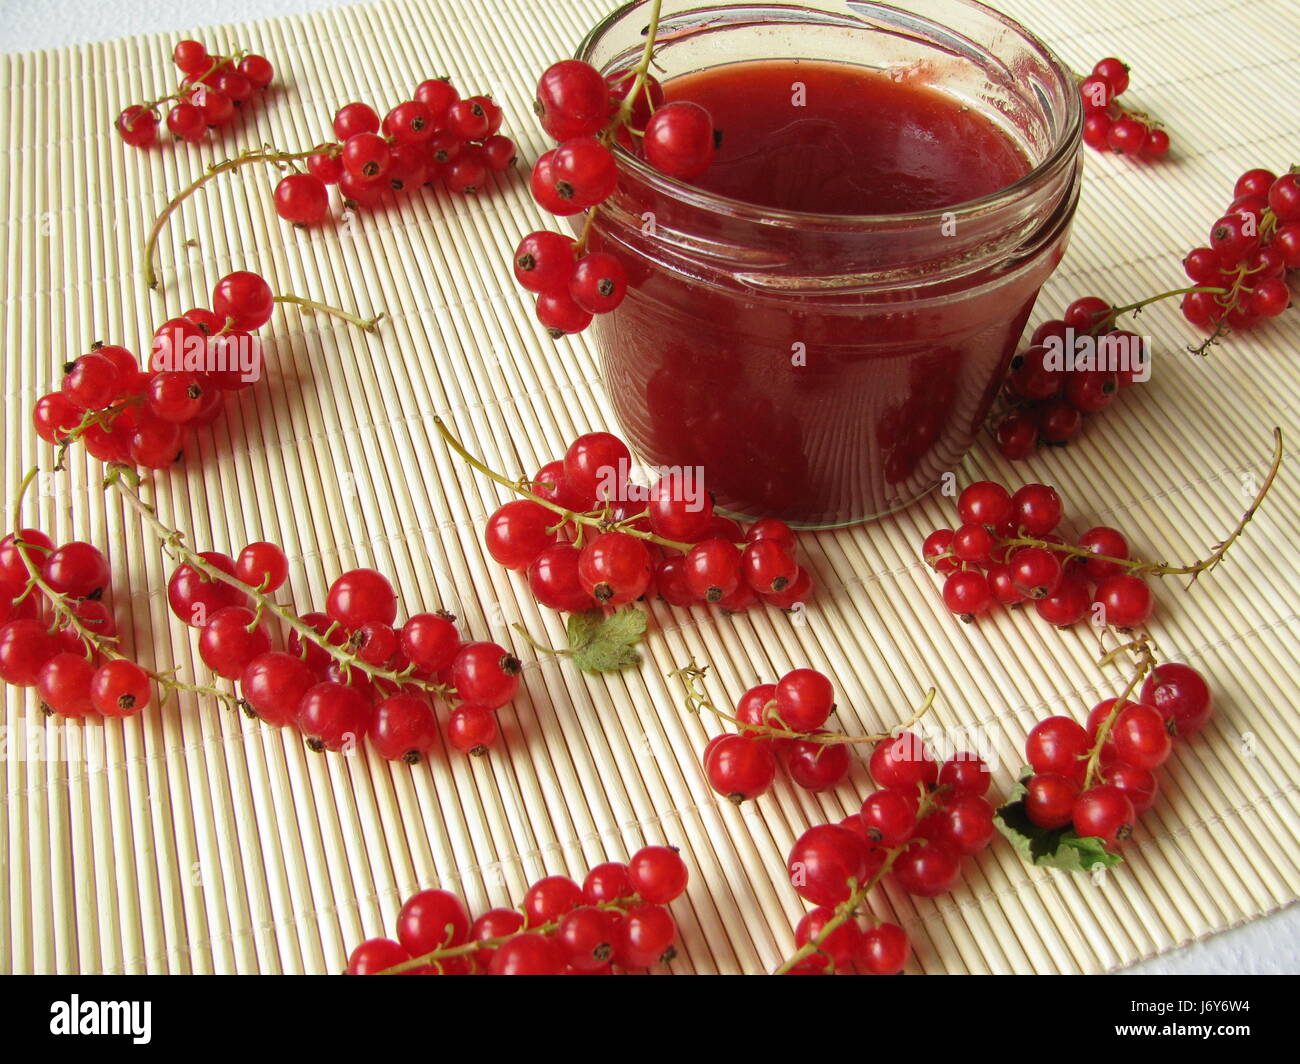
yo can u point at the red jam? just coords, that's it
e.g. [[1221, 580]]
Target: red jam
[[775, 356], [861, 143]]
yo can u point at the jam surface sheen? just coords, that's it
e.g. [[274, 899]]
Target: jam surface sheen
[[837, 139]]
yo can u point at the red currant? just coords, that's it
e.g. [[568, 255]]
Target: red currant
[[519, 531], [599, 283], [332, 715], [1180, 694], [244, 299], [553, 580], [472, 729], [826, 863], [404, 728], [302, 199], [615, 568], [679, 140], [1126, 600], [1049, 799], [967, 594], [273, 684], [432, 920], [883, 950], [657, 874], [545, 262], [1058, 745], [430, 641], [1104, 812], [572, 100], [927, 868], [484, 674], [739, 768], [120, 688], [226, 644], [361, 596]]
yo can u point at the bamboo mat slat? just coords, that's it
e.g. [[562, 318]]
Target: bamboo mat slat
[[191, 840]]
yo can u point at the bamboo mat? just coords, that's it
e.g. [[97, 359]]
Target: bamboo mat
[[193, 840]]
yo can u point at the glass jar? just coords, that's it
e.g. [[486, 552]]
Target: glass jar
[[828, 369]]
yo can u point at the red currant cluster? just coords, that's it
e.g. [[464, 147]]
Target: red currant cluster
[[1107, 126], [1074, 366], [916, 828], [57, 634], [347, 673], [125, 413], [1006, 552], [665, 540], [587, 113], [436, 136], [1100, 777], [617, 917], [1251, 248], [213, 88], [742, 765]]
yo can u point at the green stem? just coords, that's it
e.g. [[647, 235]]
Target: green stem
[[364, 324], [175, 548], [597, 520], [267, 156], [697, 699], [467, 948], [95, 642], [1137, 565]]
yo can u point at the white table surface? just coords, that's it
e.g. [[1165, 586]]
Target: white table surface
[[1267, 946]]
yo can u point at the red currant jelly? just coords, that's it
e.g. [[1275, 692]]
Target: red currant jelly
[[822, 319]]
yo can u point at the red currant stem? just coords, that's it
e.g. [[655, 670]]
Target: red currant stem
[[94, 642], [173, 544], [364, 324], [540, 646], [596, 519], [1194, 570], [691, 675], [266, 155], [640, 70], [467, 948], [104, 417], [1107, 320], [1146, 662], [848, 909], [623, 115]]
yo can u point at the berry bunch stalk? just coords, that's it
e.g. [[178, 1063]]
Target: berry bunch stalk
[[95, 644], [599, 520], [1138, 566], [854, 906], [124, 480], [467, 950], [697, 701]]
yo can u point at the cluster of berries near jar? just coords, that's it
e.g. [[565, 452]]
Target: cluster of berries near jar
[[1075, 366], [1099, 777], [617, 917], [1107, 126], [211, 92], [436, 136], [588, 114], [605, 541], [124, 412], [350, 675], [983, 565], [1250, 250]]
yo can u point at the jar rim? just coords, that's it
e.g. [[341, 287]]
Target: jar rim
[[1062, 153]]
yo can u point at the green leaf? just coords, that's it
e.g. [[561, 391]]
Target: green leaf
[[1060, 848], [601, 642]]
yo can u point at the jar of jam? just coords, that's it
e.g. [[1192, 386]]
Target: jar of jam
[[822, 320]]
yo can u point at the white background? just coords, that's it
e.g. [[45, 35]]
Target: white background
[[1270, 945]]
